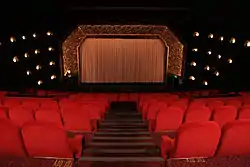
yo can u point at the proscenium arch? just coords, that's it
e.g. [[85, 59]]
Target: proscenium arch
[[74, 40]]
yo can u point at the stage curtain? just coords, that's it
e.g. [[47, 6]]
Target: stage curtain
[[118, 60]]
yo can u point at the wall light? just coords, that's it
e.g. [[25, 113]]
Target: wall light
[[221, 38], [232, 40], [53, 77], [34, 35], [49, 33], [15, 59], [196, 34], [40, 82], [23, 37], [12, 39], [207, 68], [192, 78], [209, 52], [230, 61], [195, 49], [219, 56], [205, 83], [217, 73], [38, 67], [247, 43], [51, 63], [26, 55], [193, 63], [211, 35], [28, 72], [37, 51], [50, 48]]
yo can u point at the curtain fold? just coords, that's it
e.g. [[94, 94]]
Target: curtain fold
[[115, 60]]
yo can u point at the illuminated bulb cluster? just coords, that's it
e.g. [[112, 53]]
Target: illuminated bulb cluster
[[52, 63], [28, 72], [53, 77], [23, 37], [38, 67], [221, 38], [217, 73], [193, 63], [50, 48], [209, 52], [49, 33], [40, 82], [34, 35], [15, 59], [12, 39], [247, 44], [195, 49], [192, 78], [219, 56], [232, 40], [230, 61], [37, 51], [26, 55], [205, 83]]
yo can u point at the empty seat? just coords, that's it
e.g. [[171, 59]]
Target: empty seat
[[50, 116], [224, 114], [20, 115], [196, 139], [234, 102], [214, 104], [169, 119], [194, 104], [244, 113], [179, 104], [31, 104], [49, 104], [11, 102], [3, 113], [10, 140], [198, 114], [45, 140], [235, 139]]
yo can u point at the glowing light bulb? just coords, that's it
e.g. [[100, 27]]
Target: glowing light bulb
[[50, 48], [53, 77], [247, 43], [39, 82], [193, 63], [38, 67], [205, 83], [26, 55], [49, 33], [192, 78], [68, 71], [217, 73], [230, 61], [207, 68], [196, 34], [37, 51], [28, 72], [211, 35], [51, 63], [15, 59], [221, 38], [12, 39], [195, 49], [232, 40], [209, 52], [219, 56], [34, 35]]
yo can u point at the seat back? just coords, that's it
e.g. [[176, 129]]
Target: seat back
[[46, 140], [10, 140], [3, 113], [197, 139], [244, 113], [169, 119], [234, 102], [198, 114], [21, 115], [224, 114], [50, 116], [235, 139], [215, 104]]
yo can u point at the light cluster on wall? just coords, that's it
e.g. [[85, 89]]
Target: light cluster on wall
[[34, 52]]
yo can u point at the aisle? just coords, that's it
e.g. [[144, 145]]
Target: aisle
[[123, 138]]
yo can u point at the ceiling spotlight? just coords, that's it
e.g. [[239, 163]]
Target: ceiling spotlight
[[49, 33], [221, 38], [195, 49], [53, 77], [51, 63], [217, 73], [39, 82], [232, 40], [207, 68], [219, 56], [211, 35], [50, 48], [34, 35], [193, 63], [38, 67], [26, 55], [196, 34], [28, 72], [192, 78], [12, 39], [23, 37], [205, 83], [247, 43], [209, 52], [230, 61], [15, 59], [37, 51]]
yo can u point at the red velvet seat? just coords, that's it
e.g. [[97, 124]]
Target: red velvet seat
[[224, 114], [234, 102], [179, 104], [3, 113], [235, 139], [50, 116], [21, 116], [196, 139], [11, 102], [169, 119], [195, 104], [46, 140], [198, 114], [215, 104], [49, 104], [31, 104], [10, 140], [244, 113]]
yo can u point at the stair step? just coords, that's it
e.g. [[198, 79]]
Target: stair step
[[118, 123], [122, 138], [124, 126], [124, 121], [120, 144], [120, 130], [119, 151], [122, 133], [122, 159]]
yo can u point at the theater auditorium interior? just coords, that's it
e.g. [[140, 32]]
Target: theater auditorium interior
[[115, 84]]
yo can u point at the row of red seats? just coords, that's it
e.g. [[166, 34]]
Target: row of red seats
[[207, 139], [37, 139]]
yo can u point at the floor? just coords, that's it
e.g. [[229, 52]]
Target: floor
[[122, 139]]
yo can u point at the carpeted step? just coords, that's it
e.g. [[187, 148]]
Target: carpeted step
[[119, 151], [122, 129], [122, 159], [123, 121], [123, 134], [120, 145], [138, 124]]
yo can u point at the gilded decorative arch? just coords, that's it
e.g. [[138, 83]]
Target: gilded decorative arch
[[70, 55]]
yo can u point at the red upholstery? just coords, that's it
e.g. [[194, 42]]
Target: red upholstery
[[244, 113], [195, 104], [224, 114], [235, 139], [20, 115], [46, 140], [215, 104], [50, 116], [31, 104], [198, 114], [49, 105], [10, 140], [123, 97], [234, 102], [3, 113], [11, 102], [196, 139], [169, 119], [179, 104]]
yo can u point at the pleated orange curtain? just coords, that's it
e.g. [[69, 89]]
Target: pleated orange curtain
[[116, 60]]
